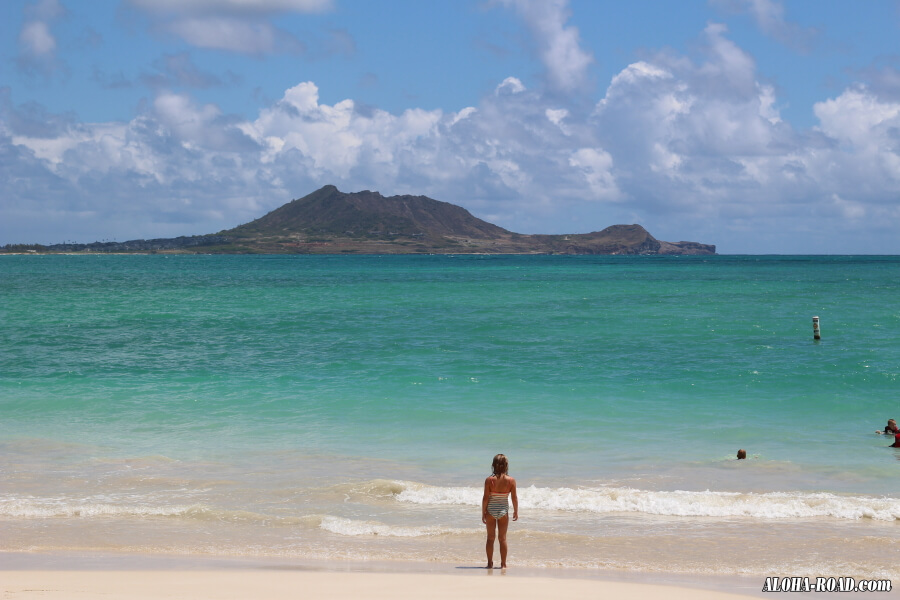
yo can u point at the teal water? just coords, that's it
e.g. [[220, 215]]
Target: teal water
[[294, 374]]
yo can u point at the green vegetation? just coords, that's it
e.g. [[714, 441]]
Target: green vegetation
[[13, 248]]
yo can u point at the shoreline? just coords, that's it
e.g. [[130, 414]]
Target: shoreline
[[141, 577], [92, 576], [233, 585]]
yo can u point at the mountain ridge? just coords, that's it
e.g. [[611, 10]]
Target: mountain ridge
[[328, 221]]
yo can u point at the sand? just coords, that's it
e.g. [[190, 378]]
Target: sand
[[279, 584]]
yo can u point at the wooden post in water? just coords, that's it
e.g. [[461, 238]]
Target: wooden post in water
[[816, 334]]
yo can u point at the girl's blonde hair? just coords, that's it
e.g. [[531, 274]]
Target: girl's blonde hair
[[500, 465]]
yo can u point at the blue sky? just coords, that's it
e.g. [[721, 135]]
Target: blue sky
[[757, 125]]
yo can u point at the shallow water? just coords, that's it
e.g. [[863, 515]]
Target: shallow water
[[318, 406]]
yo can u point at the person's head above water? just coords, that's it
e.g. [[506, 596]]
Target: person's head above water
[[742, 454], [500, 466]]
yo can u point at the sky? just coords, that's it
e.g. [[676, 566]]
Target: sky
[[761, 126]]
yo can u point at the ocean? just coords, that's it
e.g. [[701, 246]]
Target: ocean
[[348, 407]]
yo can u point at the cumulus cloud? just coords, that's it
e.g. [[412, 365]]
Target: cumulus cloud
[[557, 45], [37, 44], [510, 85], [176, 168], [865, 172], [689, 146], [32, 119], [596, 164], [703, 141], [696, 140]]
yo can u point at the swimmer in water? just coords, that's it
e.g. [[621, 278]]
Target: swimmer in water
[[890, 429], [742, 454]]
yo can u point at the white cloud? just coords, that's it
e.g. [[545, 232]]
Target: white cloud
[[36, 39], [510, 85], [596, 164], [37, 44], [242, 26], [767, 101], [234, 34], [703, 141], [179, 114], [866, 132], [849, 210], [636, 72], [770, 18], [557, 116], [858, 118], [768, 14], [690, 146], [558, 46], [463, 114], [193, 7]]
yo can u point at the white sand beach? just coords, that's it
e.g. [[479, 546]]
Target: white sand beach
[[278, 585]]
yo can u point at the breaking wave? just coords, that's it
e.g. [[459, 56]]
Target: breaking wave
[[48, 508], [772, 505]]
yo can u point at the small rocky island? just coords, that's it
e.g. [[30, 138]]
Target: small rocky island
[[329, 221]]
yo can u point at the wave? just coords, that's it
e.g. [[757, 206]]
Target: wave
[[602, 500], [352, 527], [591, 500], [47, 508]]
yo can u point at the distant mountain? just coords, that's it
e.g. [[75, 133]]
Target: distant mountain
[[329, 221], [329, 211]]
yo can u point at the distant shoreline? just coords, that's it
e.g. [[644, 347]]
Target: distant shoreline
[[329, 221]]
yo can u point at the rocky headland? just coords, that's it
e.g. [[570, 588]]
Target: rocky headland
[[329, 221]]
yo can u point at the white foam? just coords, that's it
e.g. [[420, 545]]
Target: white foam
[[424, 494], [351, 527], [772, 505], [44, 508], [30, 507]]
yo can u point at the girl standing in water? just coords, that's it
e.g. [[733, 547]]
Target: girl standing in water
[[498, 489]]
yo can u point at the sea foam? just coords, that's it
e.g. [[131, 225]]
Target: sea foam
[[601, 500], [29, 507], [353, 527]]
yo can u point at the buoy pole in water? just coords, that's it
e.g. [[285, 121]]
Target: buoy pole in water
[[816, 334]]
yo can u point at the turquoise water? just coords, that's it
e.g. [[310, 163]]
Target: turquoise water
[[261, 385]]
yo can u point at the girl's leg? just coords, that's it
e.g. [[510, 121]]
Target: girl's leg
[[502, 526], [489, 546]]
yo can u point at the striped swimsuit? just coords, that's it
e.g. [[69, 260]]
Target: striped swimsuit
[[498, 505]]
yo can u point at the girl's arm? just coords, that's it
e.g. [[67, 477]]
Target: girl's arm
[[515, 500], [485, 498]]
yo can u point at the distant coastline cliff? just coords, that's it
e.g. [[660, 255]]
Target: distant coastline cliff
[[329, 221]]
